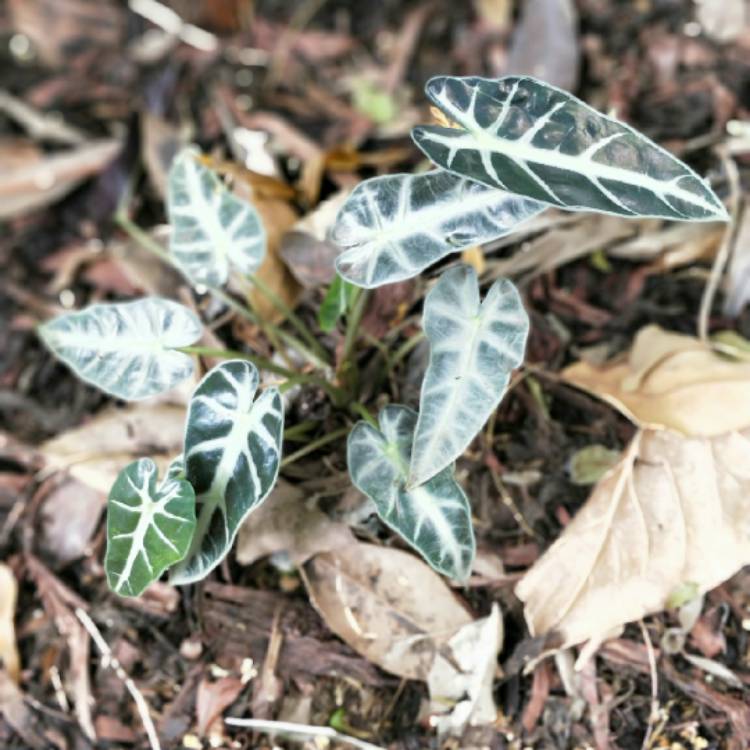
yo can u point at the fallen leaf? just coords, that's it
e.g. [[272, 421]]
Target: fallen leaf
[[69, 517], [674, 511], [672, 381], [723, 21], [305, 249], [289, 521], [9, 659], [95, 452], [39, 182], [545, 43], [388, 307], [464, 684], [738, 274], [386, 604], [278, 217], [213, 697]]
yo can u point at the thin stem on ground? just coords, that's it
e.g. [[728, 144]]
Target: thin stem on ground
[[314, 445]]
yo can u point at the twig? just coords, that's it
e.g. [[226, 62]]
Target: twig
[[654, 686], [725, 249], [167, 20], [287, 727], [110, 661]]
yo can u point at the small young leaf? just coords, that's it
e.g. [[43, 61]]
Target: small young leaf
[[392, 228], [435, 517], [232, 453], [211, 228], [126, 349], [149, 528], [336, 302], [473, 348], [529, 138]]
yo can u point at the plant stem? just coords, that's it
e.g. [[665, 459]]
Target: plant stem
[[149, 243], [352, 323], [405, 349], [293, 318], [337, 395], [363, 412], [314, 445]]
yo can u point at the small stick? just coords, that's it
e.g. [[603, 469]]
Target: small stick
[[654, 686], [110, 661], [287, 727], [725, 249]]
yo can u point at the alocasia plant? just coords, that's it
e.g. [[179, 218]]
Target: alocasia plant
[[517, 146]]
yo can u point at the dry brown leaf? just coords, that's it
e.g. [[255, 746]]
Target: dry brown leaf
[[98, 450], [672, 381], [9, 659], [306, 250], [69, 517], [674, 511], [289, 522], [278, 217], [38, 182], [387, 605], [213, 697]]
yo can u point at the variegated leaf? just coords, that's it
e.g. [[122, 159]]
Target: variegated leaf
[[435, 517], [149, 528], [473, 348], [232, 454], [211, 228], [392, 228], [127, 348], [529, 138]]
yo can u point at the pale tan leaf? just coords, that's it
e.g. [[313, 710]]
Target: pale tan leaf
[[672, 381], [386, 604], [674, 511], [9, 658], [464, 683], [95, 452], [289, 521]]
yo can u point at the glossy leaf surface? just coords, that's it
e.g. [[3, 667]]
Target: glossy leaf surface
[[149, 527], [126, 349], [232, 453], [524, 136], [212, 229], [392, 228], [435, 517], [474, 346]]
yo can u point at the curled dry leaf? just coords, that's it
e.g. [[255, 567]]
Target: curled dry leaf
[[674, 511], [95, 452], [465, 682], [9, 659], [289, 522], [387, 605], [672, 381], [38, 182]]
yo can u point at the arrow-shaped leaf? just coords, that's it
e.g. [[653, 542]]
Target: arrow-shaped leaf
[[149, 528], [126, 349], [392, 228], [526, 137], [473, 348], [211, 228], [232, 453], [435, 517]]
